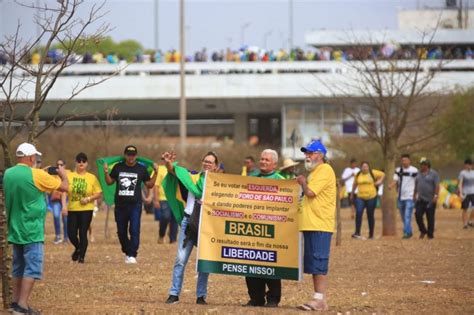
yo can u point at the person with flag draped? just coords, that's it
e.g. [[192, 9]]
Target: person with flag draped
[[181, 184], [129, 176]]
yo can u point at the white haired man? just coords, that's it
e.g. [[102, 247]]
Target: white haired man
[[317, 216], [256, 286]]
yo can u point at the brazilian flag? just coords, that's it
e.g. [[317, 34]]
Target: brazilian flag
[[177, 187], [108, 191]]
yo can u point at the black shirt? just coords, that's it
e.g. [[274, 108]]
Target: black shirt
[[129, 182]]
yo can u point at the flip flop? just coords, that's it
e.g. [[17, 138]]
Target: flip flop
[[306, 307]]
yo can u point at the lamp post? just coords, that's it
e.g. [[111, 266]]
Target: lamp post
[[290, 25], [265, 38], [242, 32], [182, 87], [156, 30]]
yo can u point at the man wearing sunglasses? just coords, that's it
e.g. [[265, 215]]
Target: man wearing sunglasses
[[129, 176]]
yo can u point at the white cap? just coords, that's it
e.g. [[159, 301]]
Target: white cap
[[27, 149]]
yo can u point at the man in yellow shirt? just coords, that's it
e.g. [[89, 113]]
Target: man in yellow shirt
[[317, 219], [162, 209]]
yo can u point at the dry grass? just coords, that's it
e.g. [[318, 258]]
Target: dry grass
[[379, 276]]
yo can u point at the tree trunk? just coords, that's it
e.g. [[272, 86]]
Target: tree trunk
[[389, 197], [7, 158], [4, 256]]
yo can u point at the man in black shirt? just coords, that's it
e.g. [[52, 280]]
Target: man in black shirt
[[129, 176]]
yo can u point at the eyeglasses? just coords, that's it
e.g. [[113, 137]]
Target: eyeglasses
[[208, 162], [81, 161]]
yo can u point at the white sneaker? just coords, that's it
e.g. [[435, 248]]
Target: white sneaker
[[132, 260], [126, 259]]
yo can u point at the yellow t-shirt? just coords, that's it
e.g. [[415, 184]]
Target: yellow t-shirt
[[162, 172], [319, 213], [366, 184], [81, 186]]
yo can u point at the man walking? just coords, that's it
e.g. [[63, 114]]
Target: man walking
[[347, 177], [129, 176], [426, 194], [257, 286], [317, 219], [405, 179], [26, 211], [466, 192]]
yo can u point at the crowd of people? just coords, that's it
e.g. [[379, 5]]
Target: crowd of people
[[74, 194], [256, 54], [417, 189]]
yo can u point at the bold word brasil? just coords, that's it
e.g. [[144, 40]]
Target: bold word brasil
[[249, 229]]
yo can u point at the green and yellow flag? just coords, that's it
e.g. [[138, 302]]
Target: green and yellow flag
[[108, 191], [177, 187]]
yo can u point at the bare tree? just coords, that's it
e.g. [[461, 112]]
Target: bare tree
[[60, 23], [390, 100]]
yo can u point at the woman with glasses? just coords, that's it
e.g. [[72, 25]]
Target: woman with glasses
[[84, 189], [57, 202]]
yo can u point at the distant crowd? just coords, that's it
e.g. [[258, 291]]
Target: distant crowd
[[255, 54]]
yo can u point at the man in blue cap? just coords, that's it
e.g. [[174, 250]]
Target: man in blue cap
[[317, 219]]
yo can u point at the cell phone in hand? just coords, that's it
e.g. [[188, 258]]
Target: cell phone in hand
[[53, 170]]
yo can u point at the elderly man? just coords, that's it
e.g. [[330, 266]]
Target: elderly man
[[26, 210], [256, 286], [317, 218]]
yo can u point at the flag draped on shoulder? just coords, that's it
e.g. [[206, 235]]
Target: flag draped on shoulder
[[177, 186], [108, 191]]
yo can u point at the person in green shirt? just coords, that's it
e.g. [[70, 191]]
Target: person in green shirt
[[24, 188], [288, 170], [256, 286]]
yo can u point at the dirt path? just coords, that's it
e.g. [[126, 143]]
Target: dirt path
[[378, 276]]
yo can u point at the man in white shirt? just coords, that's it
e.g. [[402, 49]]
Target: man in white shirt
[[404, 178], [347, 177]]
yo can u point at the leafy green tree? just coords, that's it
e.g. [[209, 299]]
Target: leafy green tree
[[457, 124]]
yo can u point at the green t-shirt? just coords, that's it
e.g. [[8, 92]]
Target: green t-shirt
[[25, 202], [273, 175]]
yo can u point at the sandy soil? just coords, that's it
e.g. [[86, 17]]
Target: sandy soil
[[385, 275]]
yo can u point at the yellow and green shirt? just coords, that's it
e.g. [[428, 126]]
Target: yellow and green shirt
[[26, 203], [81, 186], [319, 213]]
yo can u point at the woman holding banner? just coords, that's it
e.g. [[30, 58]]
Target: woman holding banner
[[180, 180]]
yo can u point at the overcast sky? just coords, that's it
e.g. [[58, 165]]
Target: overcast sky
[[217, 24]]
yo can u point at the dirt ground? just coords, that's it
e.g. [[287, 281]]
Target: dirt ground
[[385, 275]]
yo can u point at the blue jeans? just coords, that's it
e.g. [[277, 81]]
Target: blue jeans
[[28, 260], [182, 257], [165, 219], [57, 207], [406, 211], [360, 205], [128, 221]]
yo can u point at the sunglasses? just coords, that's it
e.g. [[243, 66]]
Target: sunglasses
[[81, 161], [130, 154]]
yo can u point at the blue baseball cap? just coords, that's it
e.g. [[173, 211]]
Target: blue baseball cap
[[314, 146]]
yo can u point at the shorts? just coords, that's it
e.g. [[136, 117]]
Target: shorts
[[468, 199], [28, 261], [316, 252]]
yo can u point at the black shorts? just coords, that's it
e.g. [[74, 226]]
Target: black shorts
[[467, 200]]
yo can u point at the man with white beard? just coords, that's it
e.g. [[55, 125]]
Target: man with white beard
[[317, 219]]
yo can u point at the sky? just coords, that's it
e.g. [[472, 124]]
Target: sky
[[218, 24]]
